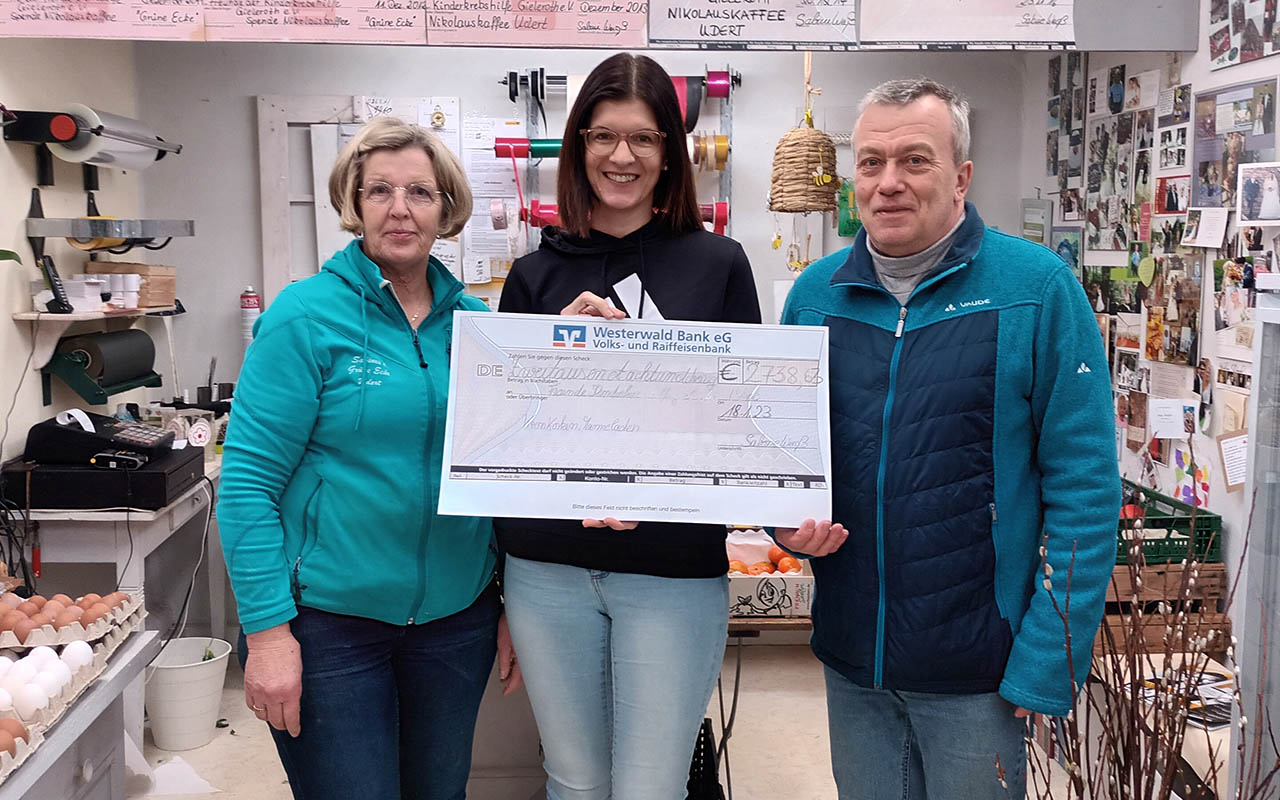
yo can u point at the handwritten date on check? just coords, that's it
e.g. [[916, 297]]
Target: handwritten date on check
[[573, 417]]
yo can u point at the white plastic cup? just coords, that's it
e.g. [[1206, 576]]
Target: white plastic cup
[[132, 281], [184, 694]]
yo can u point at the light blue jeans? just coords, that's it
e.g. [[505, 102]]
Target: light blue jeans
[[620, 669], [888, 745]]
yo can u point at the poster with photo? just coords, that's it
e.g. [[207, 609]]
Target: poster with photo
[[1173, 149], [1115, 89], [1166, 233], [1051, 153], [1130, 373], [1258, 195], [1136, 436], [1128, 330], [1109, 182], [1240, 31], [1173, 194], [1173, 309], [1142, 178], [1065, 241], [1055, 76], [1234, 125], [1234, 301], [1142, 90], [1174, 106], [1097, 287], [1072, 205]]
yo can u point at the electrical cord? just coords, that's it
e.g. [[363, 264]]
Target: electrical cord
[[180, 622], [22, 377], [128, 525]]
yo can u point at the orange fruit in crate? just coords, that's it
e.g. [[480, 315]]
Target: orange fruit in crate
[[776, 554], [760, 568], [738, 566], [788, 564]]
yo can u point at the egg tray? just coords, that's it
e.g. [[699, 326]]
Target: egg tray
[[50, 636], [23, 751]]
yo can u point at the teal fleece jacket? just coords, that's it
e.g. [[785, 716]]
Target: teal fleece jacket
[[969, 427], [331, 469]]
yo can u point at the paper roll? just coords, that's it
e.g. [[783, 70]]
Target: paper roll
[[113, 357], [102, 150]]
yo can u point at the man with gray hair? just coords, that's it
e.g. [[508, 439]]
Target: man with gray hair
[[974, 472]]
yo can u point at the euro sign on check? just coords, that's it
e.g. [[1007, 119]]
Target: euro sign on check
[[576, 417]]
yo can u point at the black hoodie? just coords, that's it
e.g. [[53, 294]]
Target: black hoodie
[[696, 276]]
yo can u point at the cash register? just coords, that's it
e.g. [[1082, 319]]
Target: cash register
[[82, 460]]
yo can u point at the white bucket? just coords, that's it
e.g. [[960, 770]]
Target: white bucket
[[184, 692]]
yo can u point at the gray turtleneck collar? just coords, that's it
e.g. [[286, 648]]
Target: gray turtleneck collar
[[901, 275]]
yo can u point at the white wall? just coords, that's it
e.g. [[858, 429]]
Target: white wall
[[1194, 69], [202, 95], [42, 75]]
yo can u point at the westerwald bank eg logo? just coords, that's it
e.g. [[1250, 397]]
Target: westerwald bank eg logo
[[569, 336]]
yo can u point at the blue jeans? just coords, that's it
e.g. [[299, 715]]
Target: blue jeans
[[620, 669], [388, 711], [887, 745]]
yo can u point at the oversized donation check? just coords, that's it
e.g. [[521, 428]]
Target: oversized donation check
[[574, 417]]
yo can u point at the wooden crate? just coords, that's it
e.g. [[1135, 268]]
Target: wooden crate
[[1152, 630], [159, 284], [1164, 582]]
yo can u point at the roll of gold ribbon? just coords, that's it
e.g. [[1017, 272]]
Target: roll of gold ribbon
[[98, 243]]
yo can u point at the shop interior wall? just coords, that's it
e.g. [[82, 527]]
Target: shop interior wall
[[40, 74], [203, 96], [1193, 68]]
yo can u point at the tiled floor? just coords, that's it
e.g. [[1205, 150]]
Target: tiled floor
[[778, 748]]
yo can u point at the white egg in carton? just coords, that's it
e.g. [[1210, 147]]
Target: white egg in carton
[[22, 751], [48, 635]]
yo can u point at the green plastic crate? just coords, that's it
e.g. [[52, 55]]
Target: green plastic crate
[[1163, 512]]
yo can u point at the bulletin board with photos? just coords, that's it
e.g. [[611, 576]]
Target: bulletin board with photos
[[1153, 156]]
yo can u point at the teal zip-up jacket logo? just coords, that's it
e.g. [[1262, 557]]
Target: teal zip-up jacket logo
[[331, 469], [966, 425]]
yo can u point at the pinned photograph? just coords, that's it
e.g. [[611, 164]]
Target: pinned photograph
[[1066, 243], [1173, 194], [1146, 126], [1258, 194], [1115, 89]]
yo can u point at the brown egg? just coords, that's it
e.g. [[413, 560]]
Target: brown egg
[[29, 608], [75, 610], [38, 600], [91, 598], [8, 744], [65, 618], [97, 612], [41, 619], [115, 599], [23, 629], [14, 728], [85, 603], [62, 598], [11, 600], [11, 619], [53, 608]]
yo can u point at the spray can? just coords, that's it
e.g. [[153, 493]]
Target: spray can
[[250, 309]]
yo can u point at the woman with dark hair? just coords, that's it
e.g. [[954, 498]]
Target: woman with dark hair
[[620, 628]]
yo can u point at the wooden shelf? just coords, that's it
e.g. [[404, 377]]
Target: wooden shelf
[[49, 328], [86, 316]]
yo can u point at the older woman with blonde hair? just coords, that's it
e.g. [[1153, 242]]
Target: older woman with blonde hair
[[370, 622]]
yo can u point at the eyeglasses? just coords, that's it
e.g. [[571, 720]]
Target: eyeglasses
[[603, 141], [419, 195]]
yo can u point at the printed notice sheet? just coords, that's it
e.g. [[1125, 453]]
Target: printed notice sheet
[[577, 417]]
